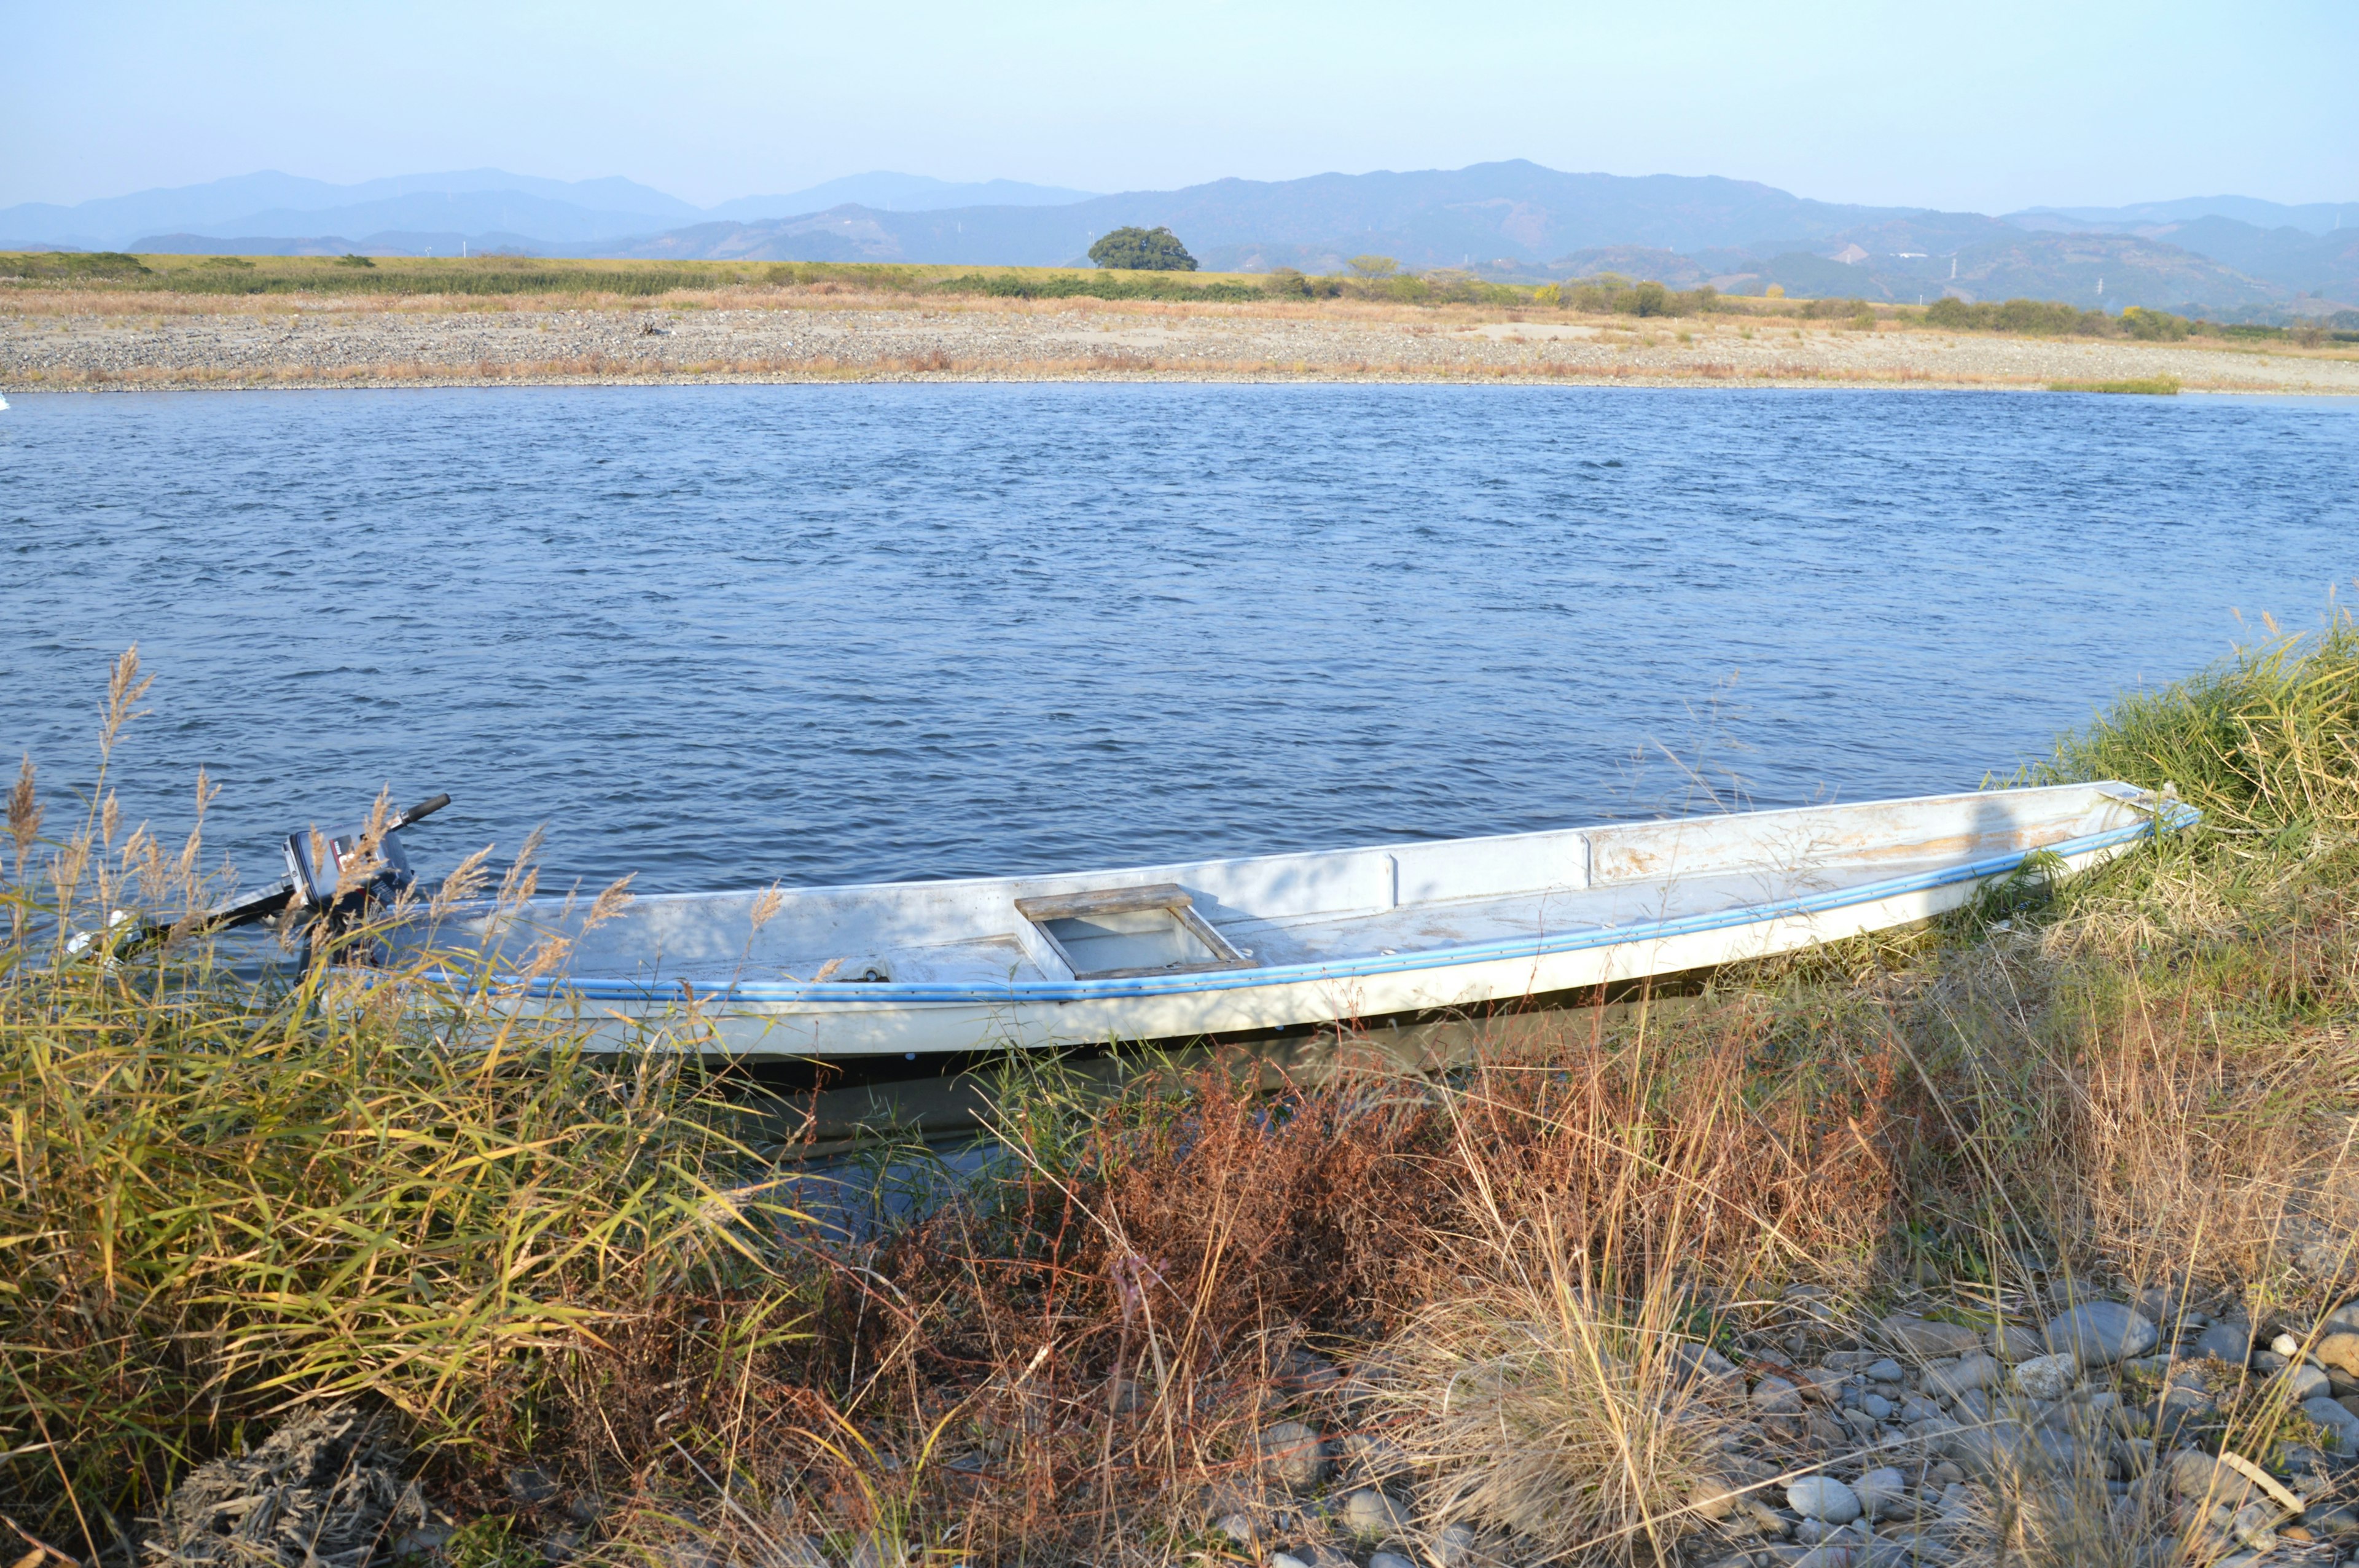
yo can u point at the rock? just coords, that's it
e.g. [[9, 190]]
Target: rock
[[2101, 1333], [424, 1541], [1823, 1498], [1238, 1527], [1888, 1371], [530, 1485], [1293, 1455], [1372, 1516], [1454, 1546], [2185, 1397], [2012, 1344], [2286, 1345], [2338, 1350], [2046, 1376], [2340, 1425], [1921, 1336], [1775, 1395], [1715, 1496], [2227, 1341], [1917, 1408], [2307, 1382], [1370, 1458], [1306, 1372], [1389, 1560], [1881, 1492], [1286, 1560], [2194, 1474], [1702, 1362], [1876, 1405], [1947, 1379], [2334, 1523], [2323, 1261], [1996, 1448], [1825, 1430]]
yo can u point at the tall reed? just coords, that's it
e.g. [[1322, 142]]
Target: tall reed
[[221, 1199]]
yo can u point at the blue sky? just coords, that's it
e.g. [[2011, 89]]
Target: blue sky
[[1987, 107]]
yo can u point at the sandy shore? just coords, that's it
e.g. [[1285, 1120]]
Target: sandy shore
[[139, 343]]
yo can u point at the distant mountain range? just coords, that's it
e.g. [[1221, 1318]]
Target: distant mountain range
[[2226, 256], [488, 207]]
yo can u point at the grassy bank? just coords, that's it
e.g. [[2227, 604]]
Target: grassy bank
[[1464, 1315], [124, 281]]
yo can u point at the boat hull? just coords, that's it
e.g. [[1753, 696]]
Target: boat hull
[[790, 1017]]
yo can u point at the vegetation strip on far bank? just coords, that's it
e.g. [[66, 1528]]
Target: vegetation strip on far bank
[[1973, 1235]]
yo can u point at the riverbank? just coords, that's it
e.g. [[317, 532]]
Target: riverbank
[[75, 341], [2018, 1238]]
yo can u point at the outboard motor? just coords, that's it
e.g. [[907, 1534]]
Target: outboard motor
[[315, 896]]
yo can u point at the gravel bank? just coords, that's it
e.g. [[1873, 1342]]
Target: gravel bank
[[312, 344]]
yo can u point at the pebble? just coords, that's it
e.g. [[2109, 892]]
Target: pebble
[[1372, 1516], [1716, 1496], [1389, 1560], [1775, 1395], [2009, 1342], [1702, 1363], [530, 1485], [2338, 1350], [1921, 1336], [1238, 1527], [1881, 1492], [1876, 1405], [2337, 1423], [1887, 1370], [1823, 1498], [2046, 1376], [1947, 1381], [1294, 1455], [2101, 1333], [2307, 1382], [1455, 1545], [2227, 1341]]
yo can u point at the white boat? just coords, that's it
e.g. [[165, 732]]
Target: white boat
[[1275, 942]]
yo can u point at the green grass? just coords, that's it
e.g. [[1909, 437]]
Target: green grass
[[2147, 386]]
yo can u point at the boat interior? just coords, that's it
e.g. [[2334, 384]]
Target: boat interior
[[1265, 910]]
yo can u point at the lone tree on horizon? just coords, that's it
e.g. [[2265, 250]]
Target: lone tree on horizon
[[1143, 250]]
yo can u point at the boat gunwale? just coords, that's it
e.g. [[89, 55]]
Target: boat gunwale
[[2164, 814]]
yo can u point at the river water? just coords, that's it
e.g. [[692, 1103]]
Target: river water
[[721, 636]]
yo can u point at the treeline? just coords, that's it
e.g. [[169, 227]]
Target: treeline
[[1095, 286], [2054, 319]]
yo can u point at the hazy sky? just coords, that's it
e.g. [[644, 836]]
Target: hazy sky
[[1984, 107]]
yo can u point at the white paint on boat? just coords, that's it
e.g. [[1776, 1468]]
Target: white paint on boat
[[1290, 940]]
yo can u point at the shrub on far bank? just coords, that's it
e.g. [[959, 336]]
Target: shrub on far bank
[[1609, 294], [2153, 326], [2040, 317]]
